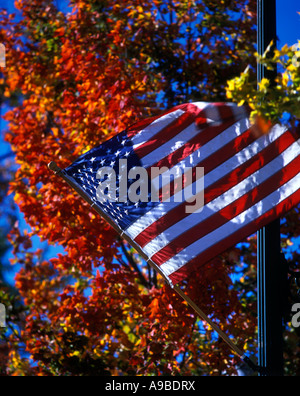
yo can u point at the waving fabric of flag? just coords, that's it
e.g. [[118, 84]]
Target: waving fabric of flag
[[191, 183]]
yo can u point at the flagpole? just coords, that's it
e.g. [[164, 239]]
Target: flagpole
[[204, 317], [57, 171], [269, 268]]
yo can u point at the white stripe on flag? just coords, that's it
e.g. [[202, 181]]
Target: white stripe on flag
[[153, 129], [239, 112], [223, 200], [206, 151], [171, 146], [224, 169], [192, 251], [212, 113]]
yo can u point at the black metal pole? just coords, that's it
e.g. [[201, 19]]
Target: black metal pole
[[269, 275]]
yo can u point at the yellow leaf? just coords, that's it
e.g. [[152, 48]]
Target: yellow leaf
[[264, 84]]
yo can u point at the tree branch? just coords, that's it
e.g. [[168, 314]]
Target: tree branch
[[134, 266]]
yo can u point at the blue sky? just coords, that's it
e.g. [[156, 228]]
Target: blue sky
[[288, 21], [288, 26]]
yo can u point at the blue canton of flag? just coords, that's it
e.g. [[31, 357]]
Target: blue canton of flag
[[84, 173]]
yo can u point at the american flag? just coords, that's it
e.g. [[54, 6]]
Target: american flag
[[249, 181]]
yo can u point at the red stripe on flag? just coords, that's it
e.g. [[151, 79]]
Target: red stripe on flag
[[226, 214], [235, 238], [218, 188], [225, 111], [217, 158], [193, 145], [140, 125], [167, 133]]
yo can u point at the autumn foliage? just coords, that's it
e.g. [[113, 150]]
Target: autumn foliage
[[80, 78]]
